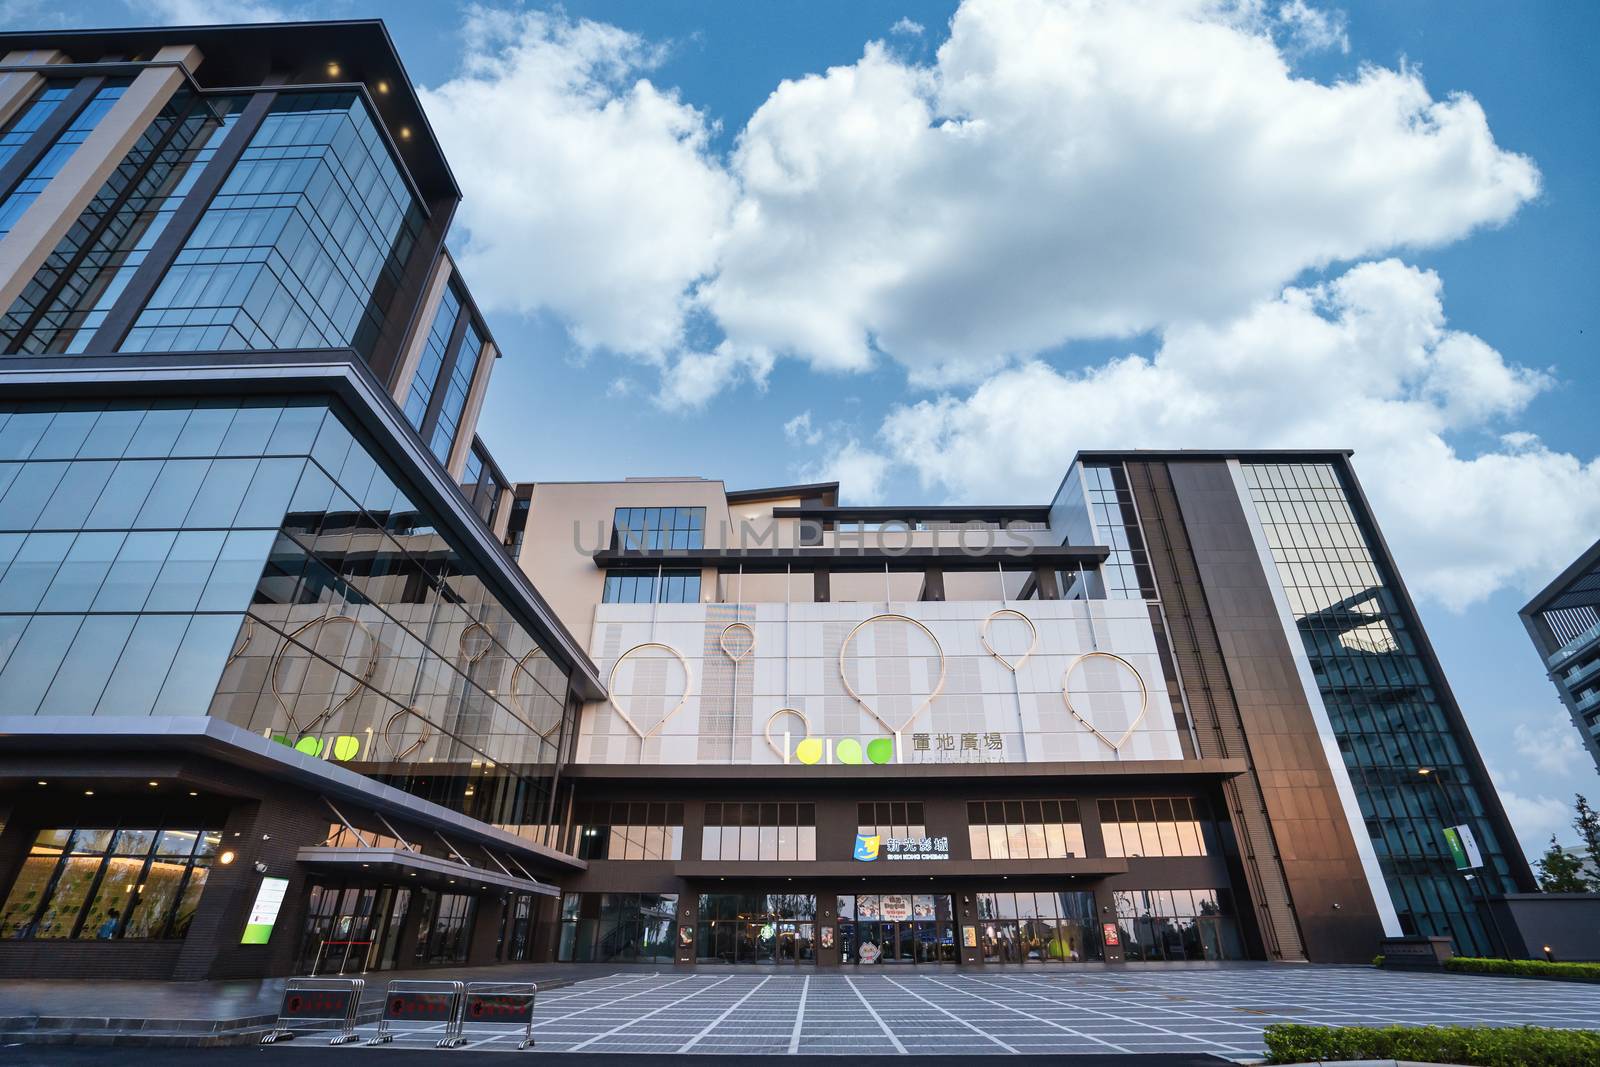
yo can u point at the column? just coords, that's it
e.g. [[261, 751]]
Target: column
[[48, 218], [18, 86]]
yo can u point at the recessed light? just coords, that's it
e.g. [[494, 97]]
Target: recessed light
[[154, 784], [226, 858], [43, 782], [383, 87], [405, 133], [193, 793], [333, 70], [88, 792]]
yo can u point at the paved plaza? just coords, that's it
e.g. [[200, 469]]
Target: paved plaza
[[1221, 1012]]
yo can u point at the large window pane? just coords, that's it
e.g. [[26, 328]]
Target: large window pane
[[143, 665], [127, 585], [78, 580], [33, 665], [87, 668]]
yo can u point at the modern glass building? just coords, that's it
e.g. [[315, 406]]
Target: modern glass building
[[1564, 623], [274, 696], [279, 694]]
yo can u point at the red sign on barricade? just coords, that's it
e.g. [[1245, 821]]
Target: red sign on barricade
[[409, 1002], [502, 1004], [318, 1000]]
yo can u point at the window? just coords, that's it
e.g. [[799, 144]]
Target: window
[[431, 363], [1024, 829], [1038, 927], [109, 884], [454, 401], [1127, 569], [766, 831], [890, 819], [655, 529], [628, 831], [1178, 924], [664, 586], [26, 122], [617, 927], [56, 156], [302, 247], [1159, 826]]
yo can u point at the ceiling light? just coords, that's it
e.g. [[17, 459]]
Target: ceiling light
[[43, 782], [154, 784], [383, 87], [226, 858], [88, 792], [405, 133], [333, 70]]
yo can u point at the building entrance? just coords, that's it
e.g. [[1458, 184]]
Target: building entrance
[[775, 928], [896, 928]]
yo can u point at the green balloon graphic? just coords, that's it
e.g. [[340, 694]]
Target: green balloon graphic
[[345, 748], [848, 750], [880, 750], [311, 746]]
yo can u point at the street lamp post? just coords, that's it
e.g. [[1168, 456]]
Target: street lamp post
[[1429, 774]]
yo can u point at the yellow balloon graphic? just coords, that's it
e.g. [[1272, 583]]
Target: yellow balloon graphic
[[809, 750]]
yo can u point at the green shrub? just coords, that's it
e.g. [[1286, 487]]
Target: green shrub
[[1377, 961], [1565, 972], [1477, 1046]]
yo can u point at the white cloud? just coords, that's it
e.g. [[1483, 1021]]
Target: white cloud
[[1063, 169], [1364, 361], [1312, 30], [907, 28], [1534, 818], [860, 472], [1550, 743], [214, 12], [1073, 169], [799, 430], [589, 192]]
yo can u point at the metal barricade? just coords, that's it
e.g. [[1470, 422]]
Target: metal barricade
[[410, 1001], [503, 1004], [318, 1000]]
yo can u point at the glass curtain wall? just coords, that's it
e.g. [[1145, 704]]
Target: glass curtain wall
[[303, 246], [1038, 927], [257, 563], [19, 199], [1382, 701], [775, 928], [26, 122], [617, 928]]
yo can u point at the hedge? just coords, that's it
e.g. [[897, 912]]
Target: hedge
[[1475, 1046], [1565, 972]]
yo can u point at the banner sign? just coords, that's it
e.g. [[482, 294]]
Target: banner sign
[[1463, 847], [916, 848], [264, 912], [1108, 933]]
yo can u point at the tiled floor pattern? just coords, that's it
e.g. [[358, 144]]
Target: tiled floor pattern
[[902, 1012]]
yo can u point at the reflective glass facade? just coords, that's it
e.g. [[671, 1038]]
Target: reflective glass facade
[[454, 400], [302, 247], [70, 295], [257, 563], [26, 122], [1382, 700], [431, 363], [19, 199]]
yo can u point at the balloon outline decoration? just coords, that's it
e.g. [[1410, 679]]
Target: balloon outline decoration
[[611, 691], [402, 754], [767, 730], [1033, 643], [938, 688], [517, 669], [1144, 698], [327, 713], [722, 641]]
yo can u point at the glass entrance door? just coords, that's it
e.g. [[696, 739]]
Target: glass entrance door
[[892, 928]]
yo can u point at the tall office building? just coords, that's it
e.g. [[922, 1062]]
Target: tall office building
[[1564, 622], [1183, 711], [273, 695]]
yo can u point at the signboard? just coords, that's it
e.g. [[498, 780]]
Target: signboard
[[916, 848], [1108, 933], [895, 907], [867, 847], [264, 912], [1463, 847], [827, 937], [969, 936]]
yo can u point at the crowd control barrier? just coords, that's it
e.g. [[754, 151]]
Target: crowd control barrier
[[501, 1004], [318, 1000], [428, 1003]]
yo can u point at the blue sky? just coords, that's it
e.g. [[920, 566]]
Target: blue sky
[[932, 265]]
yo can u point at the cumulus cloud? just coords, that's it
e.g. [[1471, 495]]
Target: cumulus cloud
[[1309, 29], [1063, 169], [906, 28], [590, 192], [1070, 169], [1364, 361], [859, 470], [1550, 743]]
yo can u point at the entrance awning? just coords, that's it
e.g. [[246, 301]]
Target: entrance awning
[[406, 867]]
